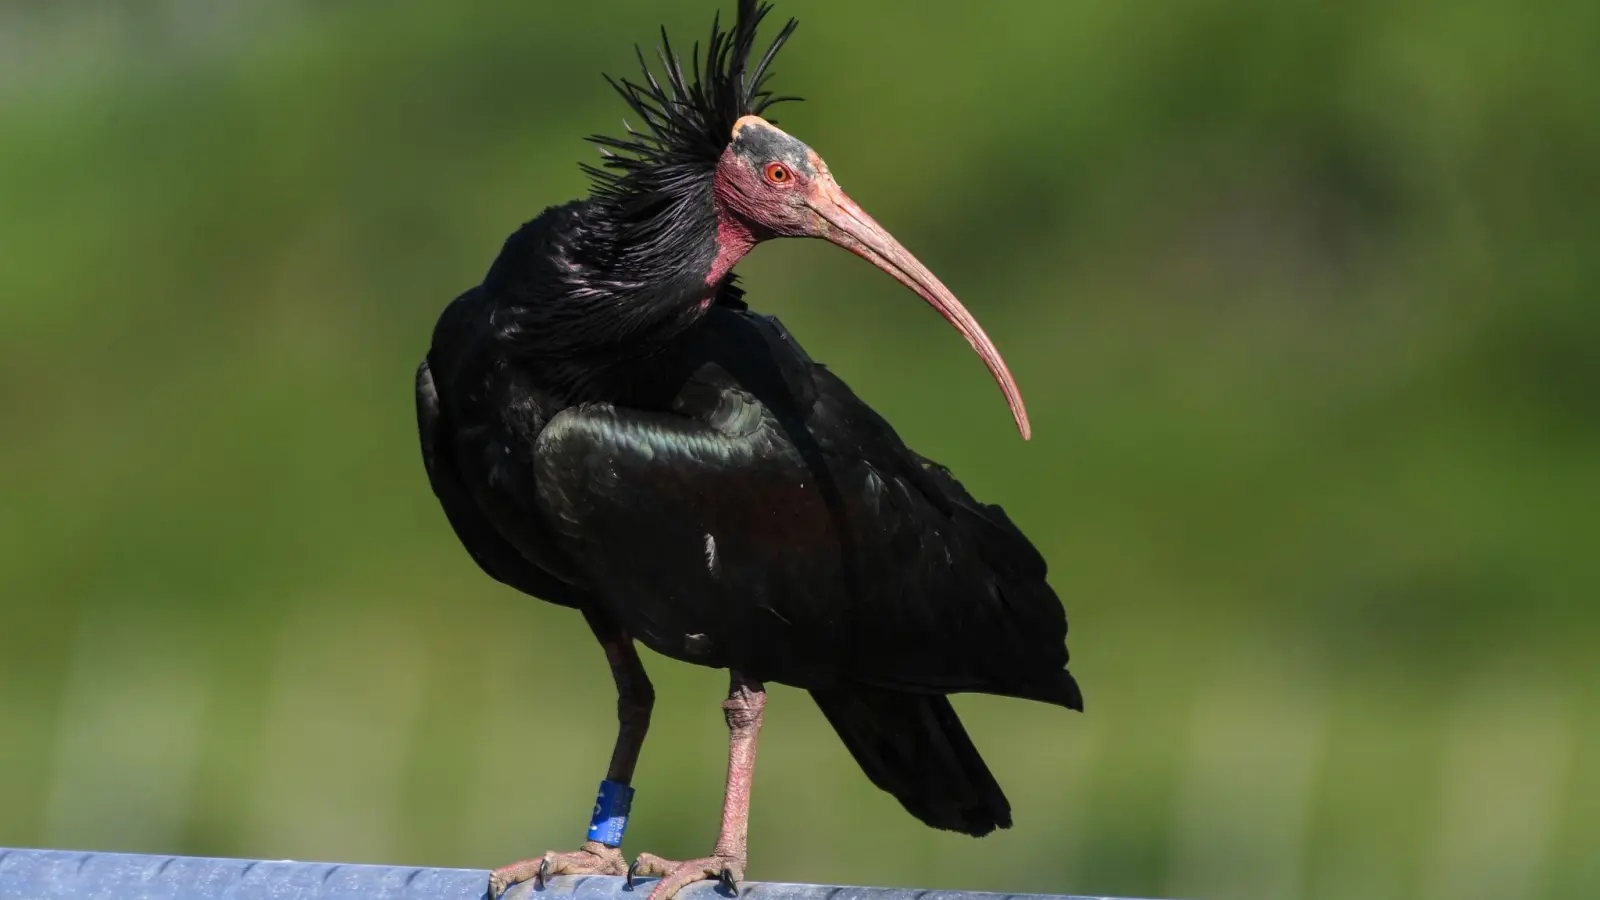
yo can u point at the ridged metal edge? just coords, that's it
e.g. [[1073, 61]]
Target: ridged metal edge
[[52, 874]]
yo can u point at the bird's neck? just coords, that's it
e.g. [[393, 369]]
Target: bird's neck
[[587, 298]]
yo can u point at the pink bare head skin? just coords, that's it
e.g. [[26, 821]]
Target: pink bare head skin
[[770, 185]]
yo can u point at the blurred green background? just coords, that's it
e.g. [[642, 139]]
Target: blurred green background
[[1302, 297]]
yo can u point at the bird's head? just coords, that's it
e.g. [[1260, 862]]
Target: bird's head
[[770, 183], [710, 168]]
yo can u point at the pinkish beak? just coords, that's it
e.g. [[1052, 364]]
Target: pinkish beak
[[848, 225]]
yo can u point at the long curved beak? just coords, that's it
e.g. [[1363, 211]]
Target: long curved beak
[[848, 225]]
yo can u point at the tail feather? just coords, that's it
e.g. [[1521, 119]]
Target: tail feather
[[1061, 690], [914, 747]]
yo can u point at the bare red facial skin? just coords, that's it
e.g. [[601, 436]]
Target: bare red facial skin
[[735, 233]]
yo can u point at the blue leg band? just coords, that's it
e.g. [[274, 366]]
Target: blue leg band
[[610, 817]]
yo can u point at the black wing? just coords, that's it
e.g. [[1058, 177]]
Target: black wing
[[775, 524]]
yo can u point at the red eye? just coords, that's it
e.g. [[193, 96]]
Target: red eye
[[778, 173]]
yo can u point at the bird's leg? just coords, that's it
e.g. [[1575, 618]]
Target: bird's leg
[[746, 699], [635, 698]]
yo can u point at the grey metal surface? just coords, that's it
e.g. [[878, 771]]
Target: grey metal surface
[[51, 874]]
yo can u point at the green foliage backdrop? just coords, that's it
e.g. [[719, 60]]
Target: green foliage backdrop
[[1302, 297]]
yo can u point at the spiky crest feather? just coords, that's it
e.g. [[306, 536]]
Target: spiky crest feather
[[687, 125], [593, 288]]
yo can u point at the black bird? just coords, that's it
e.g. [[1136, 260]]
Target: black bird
[[609, 428]]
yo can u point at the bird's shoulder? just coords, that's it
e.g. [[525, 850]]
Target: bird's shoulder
[[740, 391], [478, 414]]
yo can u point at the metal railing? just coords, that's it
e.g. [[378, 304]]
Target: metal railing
[[53, 874]]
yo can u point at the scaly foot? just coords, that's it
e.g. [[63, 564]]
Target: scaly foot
[[675, 876], [594, 859]]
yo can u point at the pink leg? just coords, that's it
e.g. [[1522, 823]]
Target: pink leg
[[746, 700], [635, 698]]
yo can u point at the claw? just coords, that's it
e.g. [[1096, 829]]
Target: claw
[[727, 879], [633, 869], [544, 874]]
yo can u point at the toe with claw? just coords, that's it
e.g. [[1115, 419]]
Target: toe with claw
[[594, 859], [675, 876]]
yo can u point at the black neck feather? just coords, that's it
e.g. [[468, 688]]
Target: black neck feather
[[587, 309], [590, 291]]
